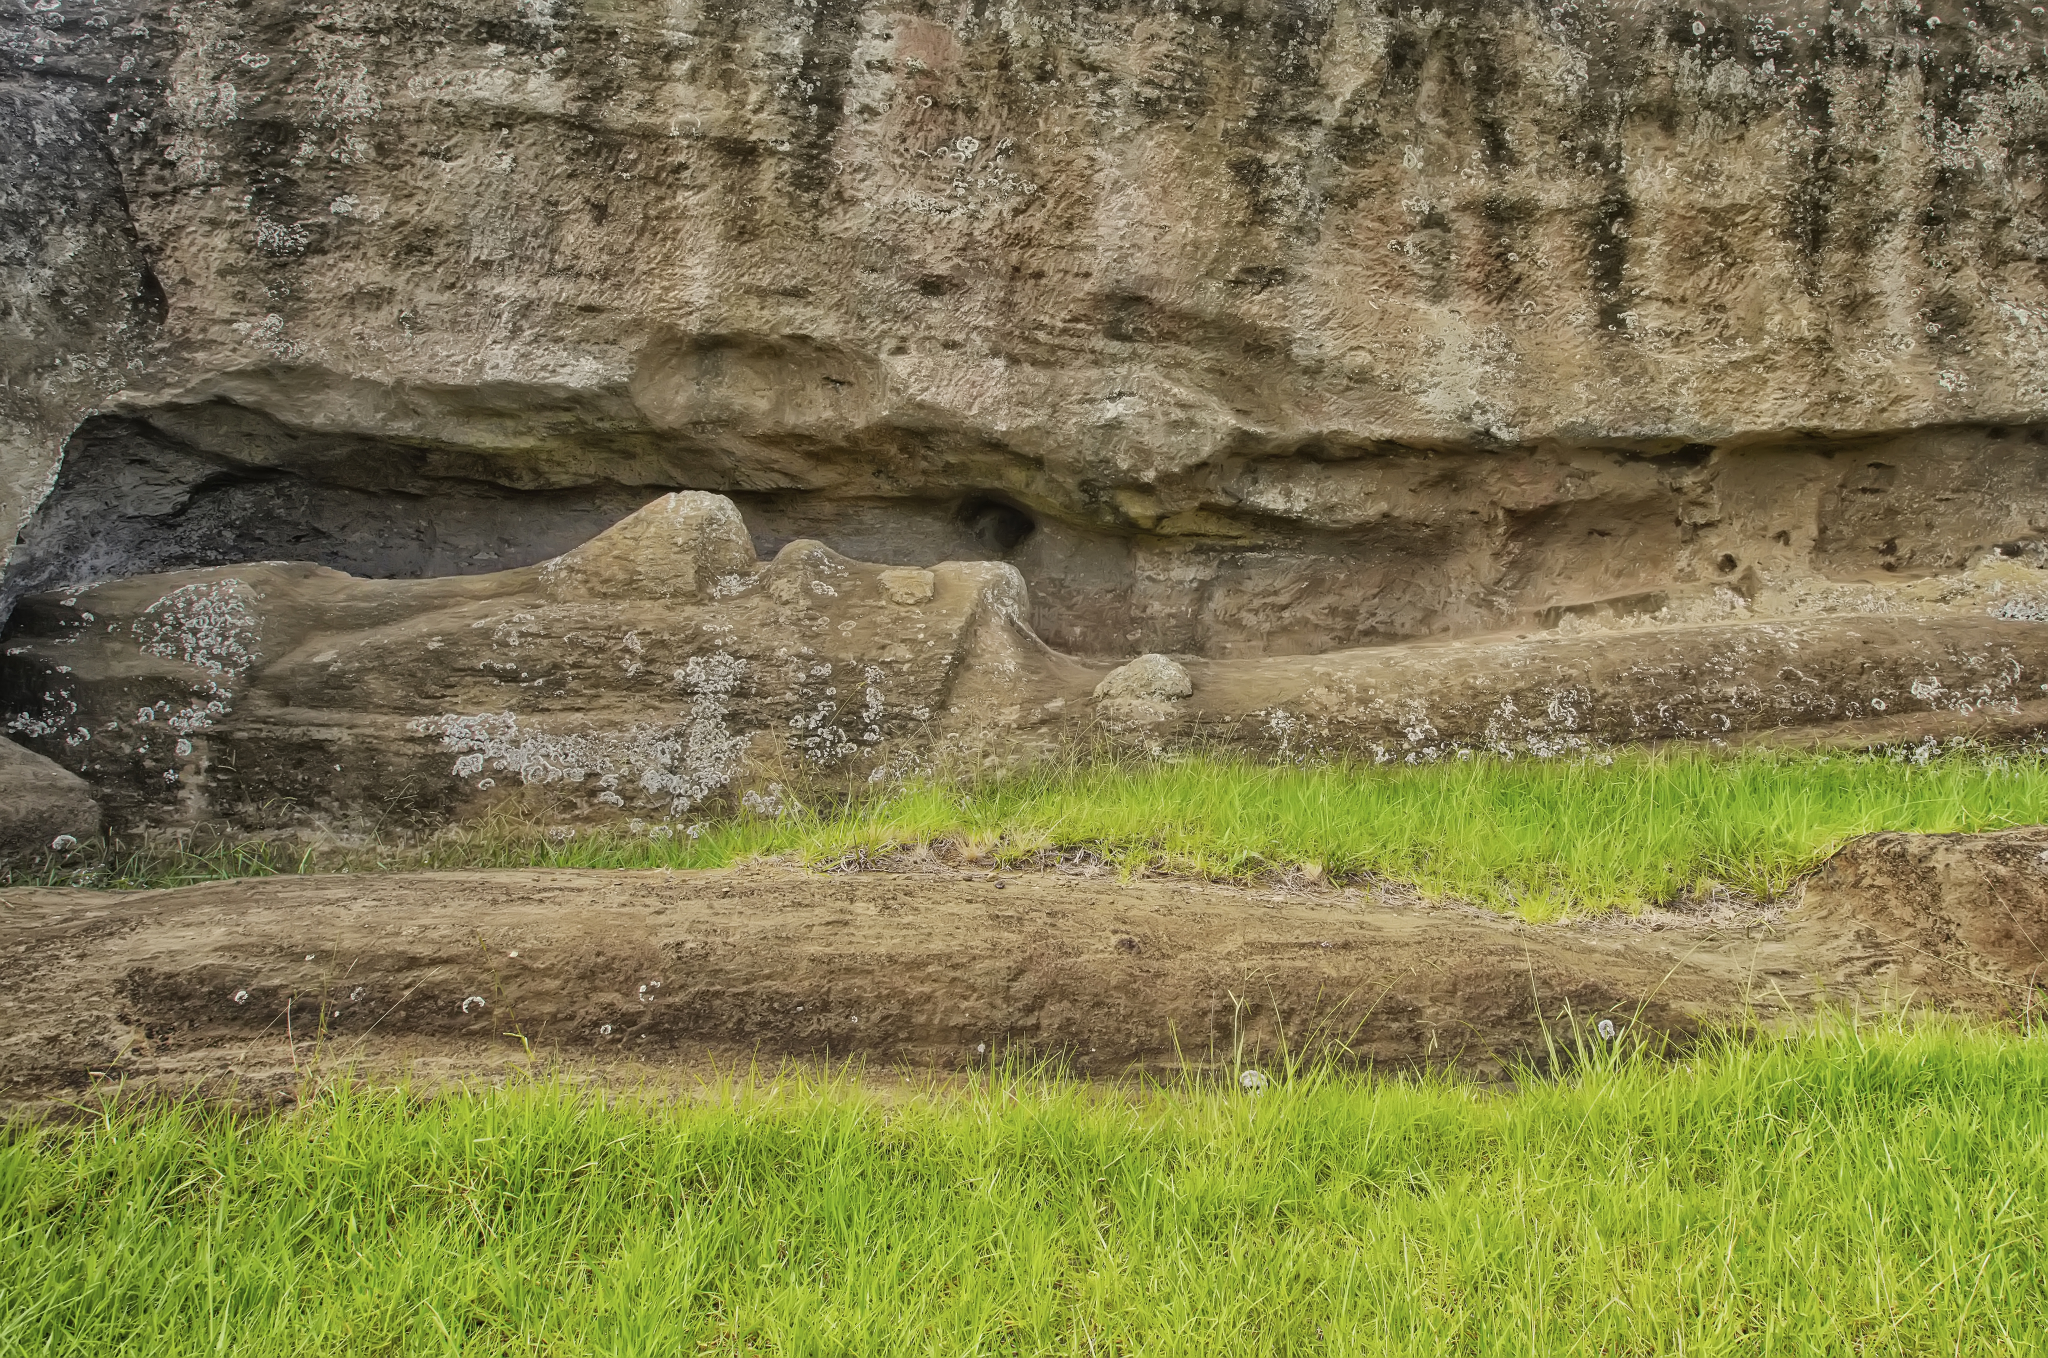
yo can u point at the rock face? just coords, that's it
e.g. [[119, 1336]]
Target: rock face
[[1239, 329], [1241, 332], [41, 801]]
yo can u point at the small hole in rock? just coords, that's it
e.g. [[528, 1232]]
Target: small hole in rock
[[1726, 564], [996, 526]]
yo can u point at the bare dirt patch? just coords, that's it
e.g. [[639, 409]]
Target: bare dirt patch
[[250, 983]]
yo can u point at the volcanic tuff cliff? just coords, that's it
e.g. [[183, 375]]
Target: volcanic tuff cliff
[[1239, 330]]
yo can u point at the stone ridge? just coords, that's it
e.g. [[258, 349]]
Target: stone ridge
[[613, 975]]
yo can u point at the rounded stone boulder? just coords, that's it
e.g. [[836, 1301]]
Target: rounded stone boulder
[[1149, 678], [41, 800]]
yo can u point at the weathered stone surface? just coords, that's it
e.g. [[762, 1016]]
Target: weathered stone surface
[[1141, 694], [1147, 677], [172, 990], [683, 547], [660, 669], [1256, 329], [80, 304], [1522, 377], [40, 801], [646, 672], [1551, 695]]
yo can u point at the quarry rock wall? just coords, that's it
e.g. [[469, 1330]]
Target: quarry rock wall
[[1240, 327], [1241, 332]]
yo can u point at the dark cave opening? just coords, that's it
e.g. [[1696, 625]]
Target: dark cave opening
[[130, 499], [997, 525]]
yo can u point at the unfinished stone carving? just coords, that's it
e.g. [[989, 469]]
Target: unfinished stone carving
[[661, 668], [643, 672], [1141, 693]]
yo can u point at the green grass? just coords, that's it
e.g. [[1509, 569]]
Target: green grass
[[1540, 837], [1843, 1192]]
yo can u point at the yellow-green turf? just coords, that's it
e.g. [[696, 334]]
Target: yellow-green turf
[[1544, 838], [1848, 1192]]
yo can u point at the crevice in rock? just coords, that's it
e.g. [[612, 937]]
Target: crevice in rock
[[1297, 546], [131, 499]]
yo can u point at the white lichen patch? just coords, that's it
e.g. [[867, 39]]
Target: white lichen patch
[[208, 625], [729, 586], [872, 704], [683, 763], [818, 731], [774, 804], [2032, 608], [59, 715], [1509, 732], [281, 238], [512, 629]]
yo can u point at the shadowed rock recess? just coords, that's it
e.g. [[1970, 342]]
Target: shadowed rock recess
[[403, 404]]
